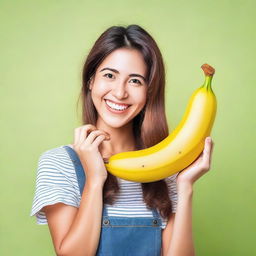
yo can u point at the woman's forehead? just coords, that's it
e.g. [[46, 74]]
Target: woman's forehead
[[125, 61]]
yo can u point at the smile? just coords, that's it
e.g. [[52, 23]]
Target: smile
[[116, 107]]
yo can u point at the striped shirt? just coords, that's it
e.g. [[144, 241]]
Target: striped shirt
[[56, 182]]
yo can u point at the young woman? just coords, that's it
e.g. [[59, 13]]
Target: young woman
[[88, 210]]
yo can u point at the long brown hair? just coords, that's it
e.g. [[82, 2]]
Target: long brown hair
[[150, 125]]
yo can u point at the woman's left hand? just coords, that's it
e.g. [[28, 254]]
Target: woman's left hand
[[199, 167]]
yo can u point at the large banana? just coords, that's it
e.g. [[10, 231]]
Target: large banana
[[179, 149]]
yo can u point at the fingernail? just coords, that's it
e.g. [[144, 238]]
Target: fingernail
[[209, 139]]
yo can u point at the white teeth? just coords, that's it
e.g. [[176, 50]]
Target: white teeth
[[115, 106]]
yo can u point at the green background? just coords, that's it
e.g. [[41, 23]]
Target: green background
[[43, 47]]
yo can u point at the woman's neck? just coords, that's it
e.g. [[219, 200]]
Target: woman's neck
[[121, 139]]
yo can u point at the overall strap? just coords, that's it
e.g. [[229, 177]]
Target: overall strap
[[78, 167], [79, 172], [105, 211], [155, 213]]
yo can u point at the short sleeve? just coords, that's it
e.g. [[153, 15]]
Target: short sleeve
[[54, 183], [172, 187]]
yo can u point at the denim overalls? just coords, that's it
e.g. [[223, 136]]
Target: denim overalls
[[123, 236]]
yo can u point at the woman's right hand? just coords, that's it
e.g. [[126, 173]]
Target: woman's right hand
[[87, 139]]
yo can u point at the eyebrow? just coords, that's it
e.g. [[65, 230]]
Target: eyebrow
[[116, 71]]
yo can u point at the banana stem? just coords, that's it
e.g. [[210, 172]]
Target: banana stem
[[207, 83]]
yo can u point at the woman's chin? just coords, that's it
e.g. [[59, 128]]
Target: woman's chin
[[116, 123]]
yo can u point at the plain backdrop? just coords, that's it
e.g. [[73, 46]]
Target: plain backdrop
[[43, 46]]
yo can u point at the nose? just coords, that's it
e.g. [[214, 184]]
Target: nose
[[119, 90]]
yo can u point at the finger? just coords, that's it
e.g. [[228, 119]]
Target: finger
[[85, 131], [207, 151], [76, 135], [212, 146], [99, 140], [91, 137]]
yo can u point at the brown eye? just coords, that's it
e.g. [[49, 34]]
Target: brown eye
[[107, 75], [138, 81]]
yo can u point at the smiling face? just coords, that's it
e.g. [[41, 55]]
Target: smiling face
[[118, 88]]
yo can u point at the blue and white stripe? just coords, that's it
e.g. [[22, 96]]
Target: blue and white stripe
[[56, 182]]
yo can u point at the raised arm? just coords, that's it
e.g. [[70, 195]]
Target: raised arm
[[181, 240], [76, 232]]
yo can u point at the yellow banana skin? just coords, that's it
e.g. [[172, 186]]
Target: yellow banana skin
[[179, 149]]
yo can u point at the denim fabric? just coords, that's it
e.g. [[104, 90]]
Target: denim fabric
[[124, 236]]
